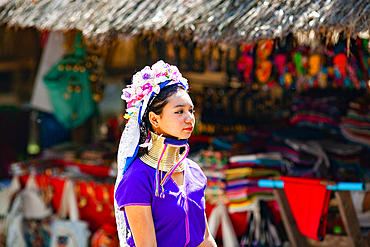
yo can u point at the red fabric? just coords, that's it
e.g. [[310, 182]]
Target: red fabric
[[199, 138], [89, 211], [95, 170], [239, 220], [309, 202], [43, 181], [93, 192]]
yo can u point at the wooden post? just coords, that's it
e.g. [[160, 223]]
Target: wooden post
[[296, 239], [349, 218]]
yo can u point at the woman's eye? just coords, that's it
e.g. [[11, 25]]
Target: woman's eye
[[192, 111], [180, 112]]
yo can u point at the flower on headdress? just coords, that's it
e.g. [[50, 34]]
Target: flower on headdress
[[156, 89], [127, 94], [146, 76], [147, 88], [147, 81]]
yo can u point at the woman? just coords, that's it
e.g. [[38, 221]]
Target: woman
[[159, 193]]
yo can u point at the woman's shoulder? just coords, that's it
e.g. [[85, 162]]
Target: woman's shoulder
[[195, 169], [192, 164], [139, 169]]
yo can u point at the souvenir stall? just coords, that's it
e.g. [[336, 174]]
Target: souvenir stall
[[281, 89], [304, 136]]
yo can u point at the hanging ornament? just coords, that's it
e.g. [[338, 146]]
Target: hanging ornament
[[263, 71], [264, 49], [340, 65], [280, 62], [297, 58], [244, 63], [314, 63], [263, 64]]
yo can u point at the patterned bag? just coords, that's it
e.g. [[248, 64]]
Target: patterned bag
[[28, 222]]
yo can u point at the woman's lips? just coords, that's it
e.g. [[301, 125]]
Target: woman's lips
[[189, 128]]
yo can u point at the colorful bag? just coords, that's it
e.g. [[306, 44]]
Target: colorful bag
[[70, 88]]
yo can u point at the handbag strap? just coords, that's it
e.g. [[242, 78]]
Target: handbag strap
[[68, 203]]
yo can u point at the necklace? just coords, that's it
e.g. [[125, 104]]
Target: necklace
[[164, 155]]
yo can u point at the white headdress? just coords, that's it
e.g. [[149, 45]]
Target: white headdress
[[145, 84]]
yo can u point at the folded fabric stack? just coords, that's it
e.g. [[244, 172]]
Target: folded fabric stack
[[242, 178], [347, 161], [293, 156], [355, 127], [321, 111], [304, 158], [239, 144], [214, 164]]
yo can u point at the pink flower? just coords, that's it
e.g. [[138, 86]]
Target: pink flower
[[147, 88], [130, 104], [140, 97]]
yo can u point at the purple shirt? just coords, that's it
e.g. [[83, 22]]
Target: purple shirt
[[179, 218]]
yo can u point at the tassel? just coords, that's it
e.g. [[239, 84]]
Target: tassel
[[159, 182]]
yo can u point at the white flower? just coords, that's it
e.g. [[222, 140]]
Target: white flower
[[147, 73], [132, 109], [156, 89], [127, 94]]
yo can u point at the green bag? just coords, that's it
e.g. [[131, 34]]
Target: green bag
[[70, 88]]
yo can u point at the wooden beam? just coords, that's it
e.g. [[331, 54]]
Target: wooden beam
[[16, 65], [349, 218], [296, 239]]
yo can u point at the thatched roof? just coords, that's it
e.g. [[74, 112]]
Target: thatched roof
[[205, 20]]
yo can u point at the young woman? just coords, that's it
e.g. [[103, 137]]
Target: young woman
[[159, 193]]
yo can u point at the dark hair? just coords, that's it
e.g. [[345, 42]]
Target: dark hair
[[156, 105]]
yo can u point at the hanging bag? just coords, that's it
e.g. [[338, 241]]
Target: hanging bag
[[28, 222], [71, 232], [261, 232], [70, 88], [6, 196], [219, 215]]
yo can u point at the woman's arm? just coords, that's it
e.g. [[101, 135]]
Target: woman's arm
[[141, 224], [208, 239]]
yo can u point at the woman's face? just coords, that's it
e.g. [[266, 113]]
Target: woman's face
[[177, 118]]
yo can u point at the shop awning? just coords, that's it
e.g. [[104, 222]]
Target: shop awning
[[204, 20]]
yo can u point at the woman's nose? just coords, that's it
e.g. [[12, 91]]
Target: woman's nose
[[190, 118]]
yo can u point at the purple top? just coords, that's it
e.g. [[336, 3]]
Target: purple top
[[179, 218]]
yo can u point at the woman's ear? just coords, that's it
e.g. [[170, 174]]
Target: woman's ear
[[153, 119]]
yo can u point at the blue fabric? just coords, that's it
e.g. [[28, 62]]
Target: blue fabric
[[129, 160]]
